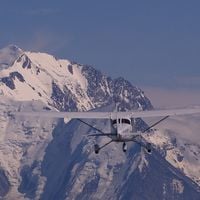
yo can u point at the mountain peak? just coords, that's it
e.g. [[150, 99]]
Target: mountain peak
[[38, 81], [8, 55], [11, 48]]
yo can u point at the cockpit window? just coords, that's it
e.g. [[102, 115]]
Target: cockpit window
[[115, 121], [123, 121], [126, 121]]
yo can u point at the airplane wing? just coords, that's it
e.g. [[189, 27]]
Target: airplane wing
[[107, 115]]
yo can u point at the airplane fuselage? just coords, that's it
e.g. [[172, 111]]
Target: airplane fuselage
[[123, 129]]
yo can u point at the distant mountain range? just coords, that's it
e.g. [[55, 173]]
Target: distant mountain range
[[51, 159]]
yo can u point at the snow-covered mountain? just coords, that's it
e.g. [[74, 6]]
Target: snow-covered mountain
[[62, 84], [48, 159]]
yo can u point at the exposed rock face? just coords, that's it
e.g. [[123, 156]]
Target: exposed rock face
[[48, 159], [65, 85], [4, 183]]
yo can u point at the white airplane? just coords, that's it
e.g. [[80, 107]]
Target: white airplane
[[121, 124]]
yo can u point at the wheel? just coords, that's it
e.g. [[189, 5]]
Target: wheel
[[149, 151], [148, 148], [124, 147], [96, 148], [96, 151]]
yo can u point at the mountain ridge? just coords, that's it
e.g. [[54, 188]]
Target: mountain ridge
[[42, 75], [48, 159]]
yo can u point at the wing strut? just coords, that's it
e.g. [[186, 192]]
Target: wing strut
[[91, 126], [101, 132], [155, 124]]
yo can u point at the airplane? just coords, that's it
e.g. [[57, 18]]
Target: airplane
[[120, 123]]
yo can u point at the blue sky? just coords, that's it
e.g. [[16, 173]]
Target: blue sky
[[151, 43]]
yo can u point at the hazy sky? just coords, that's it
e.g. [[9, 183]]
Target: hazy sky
[[154, 44]]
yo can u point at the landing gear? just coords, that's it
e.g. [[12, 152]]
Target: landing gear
[[148, 148], [146, 145], [124, 147], [96, 148]]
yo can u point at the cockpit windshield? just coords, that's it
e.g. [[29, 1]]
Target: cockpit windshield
[[123, 121], [126, 121]]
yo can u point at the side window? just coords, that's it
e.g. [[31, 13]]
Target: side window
[[126, 121], [114, 121]]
